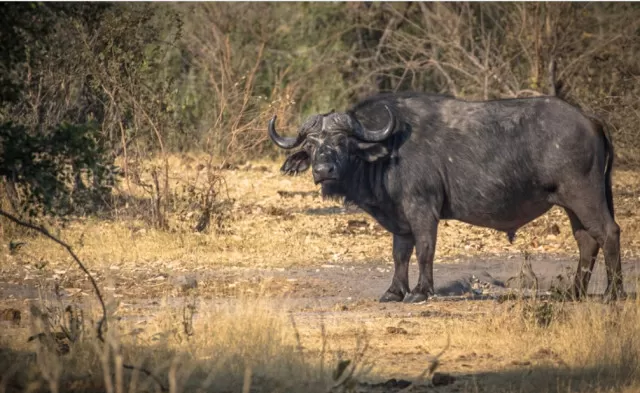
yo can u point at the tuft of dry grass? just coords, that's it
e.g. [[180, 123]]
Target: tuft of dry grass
[[223, 348], [587, 347]]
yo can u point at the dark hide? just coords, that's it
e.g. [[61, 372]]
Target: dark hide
[[498, 164]]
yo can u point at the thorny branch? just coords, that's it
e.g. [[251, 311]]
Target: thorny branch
[[94, 284]]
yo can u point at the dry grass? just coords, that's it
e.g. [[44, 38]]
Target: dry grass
[[265, 229], [585, 348], [493, 347], [211, 351]]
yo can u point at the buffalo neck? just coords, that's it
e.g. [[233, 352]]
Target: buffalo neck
[[362, 183], [366, 186]]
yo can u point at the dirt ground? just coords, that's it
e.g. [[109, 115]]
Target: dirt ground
[[326, 268]]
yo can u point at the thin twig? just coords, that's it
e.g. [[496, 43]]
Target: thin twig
[[434, 362], [148, 374], [358, 357], [46, 233], [297, 335]]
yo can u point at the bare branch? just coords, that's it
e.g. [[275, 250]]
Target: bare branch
[[552, 78], [66, 246], [450, 82], [103, 321]]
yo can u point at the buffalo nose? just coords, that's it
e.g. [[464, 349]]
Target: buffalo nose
[[323, 171]]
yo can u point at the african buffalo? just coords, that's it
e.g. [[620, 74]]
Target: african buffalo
[[413, 159]]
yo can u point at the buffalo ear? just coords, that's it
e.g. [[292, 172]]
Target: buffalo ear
[[296, 163], [371, 152]]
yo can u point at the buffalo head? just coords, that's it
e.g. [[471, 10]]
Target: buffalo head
[[329, 143]]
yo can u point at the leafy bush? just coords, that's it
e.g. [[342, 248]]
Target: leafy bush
[[45, 170]]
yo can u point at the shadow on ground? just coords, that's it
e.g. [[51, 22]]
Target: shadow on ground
[[21, 370], [326, 211], [540, 378]]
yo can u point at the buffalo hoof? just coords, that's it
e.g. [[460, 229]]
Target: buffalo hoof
[[576, 295], [391, 297], [612, 296], [415, 298]]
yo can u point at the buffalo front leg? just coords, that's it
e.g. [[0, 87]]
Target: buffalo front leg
[[425, 251], [402, 250]]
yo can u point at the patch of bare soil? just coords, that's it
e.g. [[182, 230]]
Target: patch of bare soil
[[470, 278]]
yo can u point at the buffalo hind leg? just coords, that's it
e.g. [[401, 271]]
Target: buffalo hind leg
[[588, 248], [611, 249], [402, 250], [594, 215], [425, 250]]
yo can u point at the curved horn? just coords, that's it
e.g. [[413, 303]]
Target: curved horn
[[375, 135], [280, 141]]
